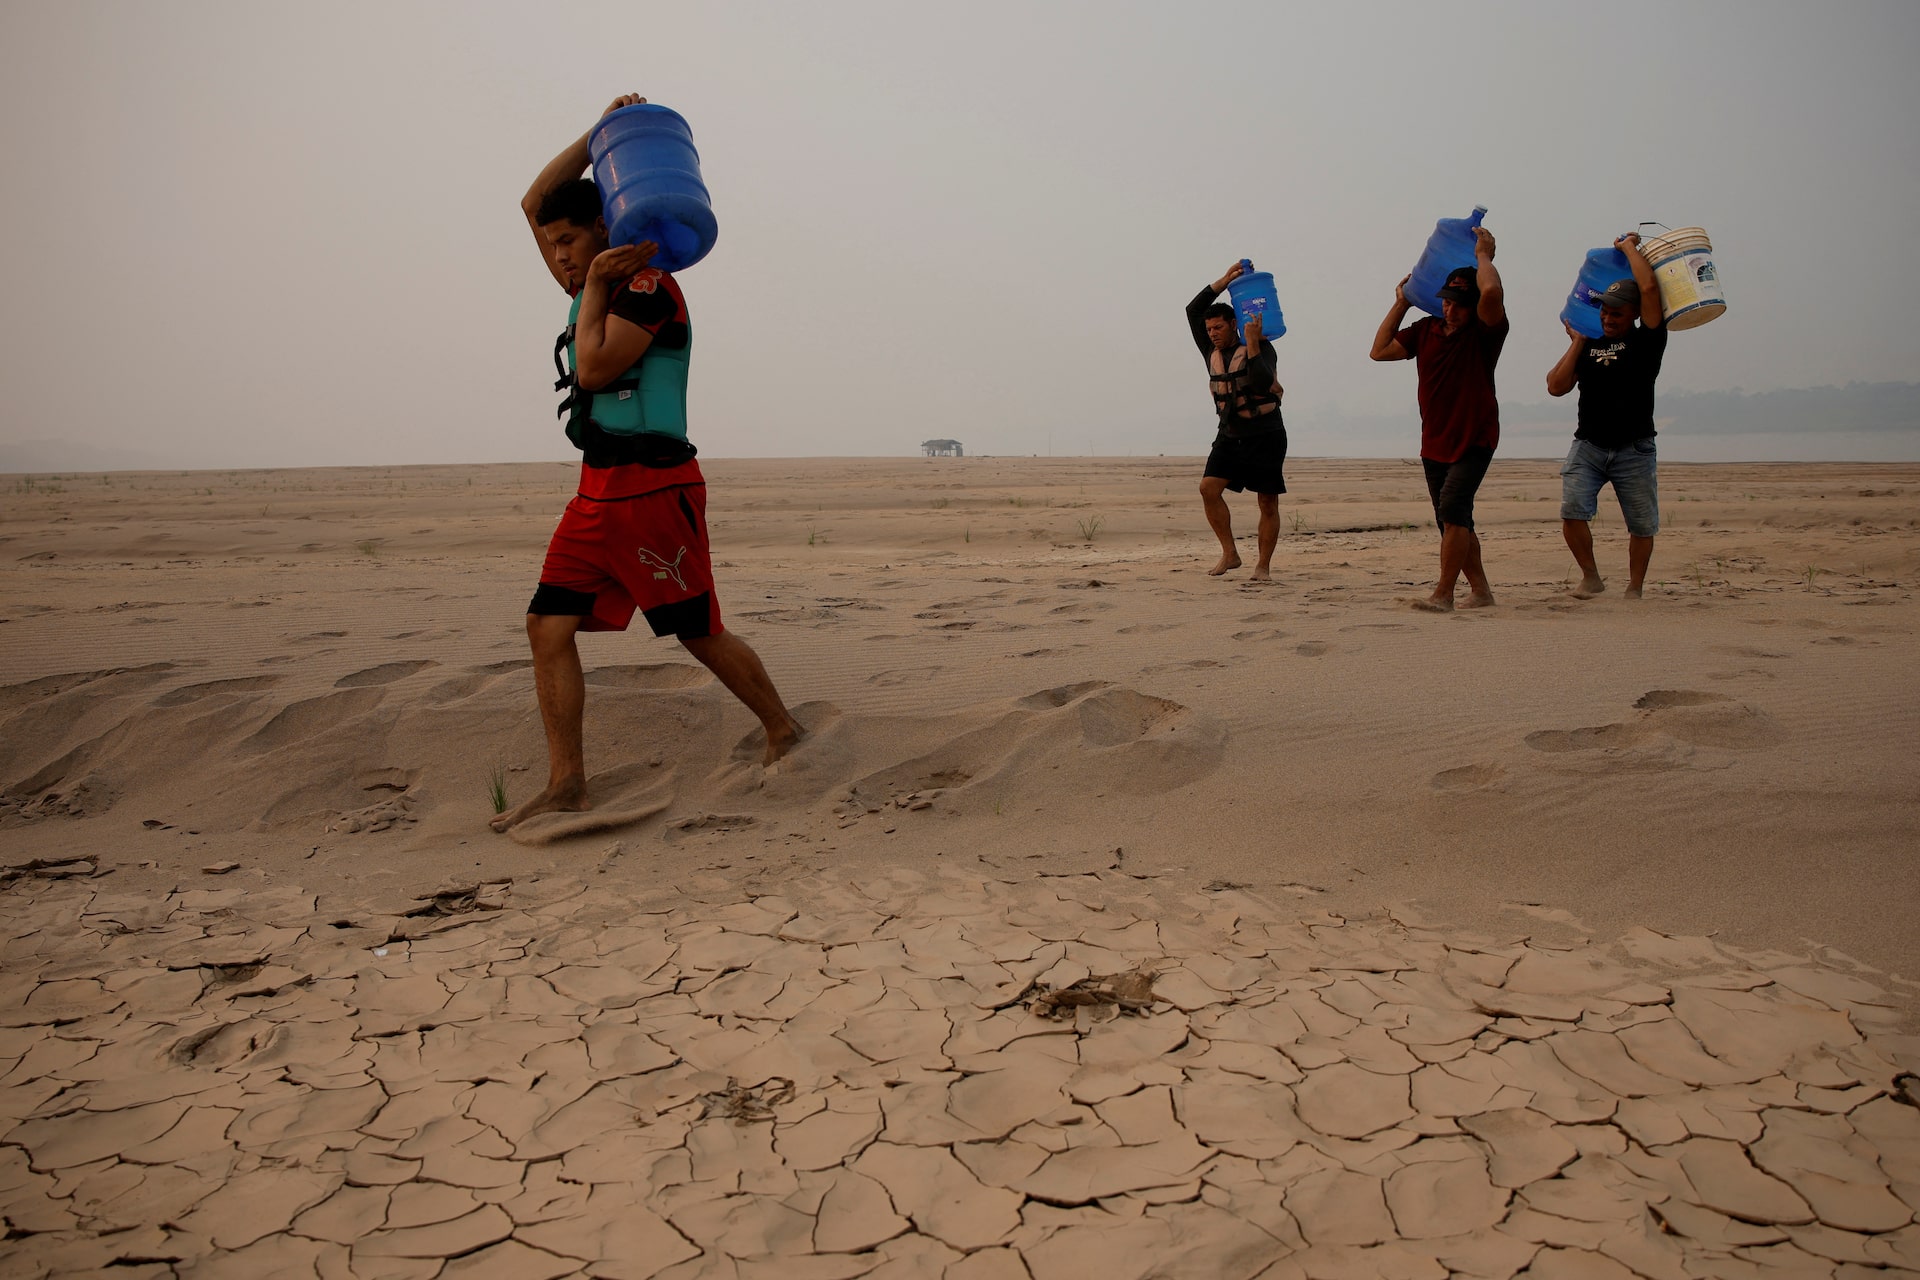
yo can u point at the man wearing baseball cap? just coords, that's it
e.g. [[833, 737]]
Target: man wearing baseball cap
[[1455, 353], [1613, 443]]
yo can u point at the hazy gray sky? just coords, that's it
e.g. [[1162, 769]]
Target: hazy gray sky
[[256, 234]]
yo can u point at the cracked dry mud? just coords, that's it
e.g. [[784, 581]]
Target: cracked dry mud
[[535, 1081]]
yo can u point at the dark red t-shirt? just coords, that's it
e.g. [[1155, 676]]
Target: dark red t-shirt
[[1458, 408]]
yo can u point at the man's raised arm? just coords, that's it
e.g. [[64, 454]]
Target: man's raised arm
[[1197, 309], [565, 167], [1386, 339], [1653, 312], [1493, 295]]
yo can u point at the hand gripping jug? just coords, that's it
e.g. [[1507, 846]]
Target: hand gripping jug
[[1602, 268], [650, 186], [1253, 295], [1450, 246]]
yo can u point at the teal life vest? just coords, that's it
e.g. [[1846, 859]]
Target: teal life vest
[[641, 416]]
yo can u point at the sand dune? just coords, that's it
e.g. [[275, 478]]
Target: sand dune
[[1014, 670]]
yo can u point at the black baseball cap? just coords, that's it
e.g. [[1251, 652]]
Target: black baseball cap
[[1620, 294], [1463, 285]]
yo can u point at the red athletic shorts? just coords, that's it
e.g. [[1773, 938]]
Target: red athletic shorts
[[611, 556]]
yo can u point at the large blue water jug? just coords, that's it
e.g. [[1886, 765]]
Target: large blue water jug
[[1253, 295], [1450, 246], [650, 186], [1602, 268]]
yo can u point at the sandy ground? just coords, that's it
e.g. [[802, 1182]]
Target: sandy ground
[[1024, 691]]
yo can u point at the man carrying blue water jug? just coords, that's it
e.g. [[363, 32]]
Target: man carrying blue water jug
[[1455, 353], [1250, 448], [634, 538], [1613, 443]]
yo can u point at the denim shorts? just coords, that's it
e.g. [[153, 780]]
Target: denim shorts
[[1631, 471]]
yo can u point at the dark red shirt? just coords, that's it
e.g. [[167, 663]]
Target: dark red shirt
[[1458, 408]]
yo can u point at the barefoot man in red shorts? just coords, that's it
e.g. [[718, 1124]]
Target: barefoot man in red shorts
[[635, 536]]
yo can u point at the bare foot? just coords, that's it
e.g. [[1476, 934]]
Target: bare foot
[[1228, 560], [1591, 585], [778, 744], [1261, 573], [1477, 600], [568, 796], [1631, 593], [1433, 604]]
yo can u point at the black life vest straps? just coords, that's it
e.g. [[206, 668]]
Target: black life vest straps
[[569, 382], [1234, 394]]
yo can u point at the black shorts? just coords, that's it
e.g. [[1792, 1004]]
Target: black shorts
[[1256, 462], [1452, 485]]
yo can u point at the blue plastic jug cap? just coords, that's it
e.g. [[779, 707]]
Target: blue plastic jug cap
[[1246, 266]]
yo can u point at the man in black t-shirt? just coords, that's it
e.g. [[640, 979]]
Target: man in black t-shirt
[[1614, 441]]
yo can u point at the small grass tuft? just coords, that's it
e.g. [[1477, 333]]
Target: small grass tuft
[[1090, 527], [369, 547], [497, 789]]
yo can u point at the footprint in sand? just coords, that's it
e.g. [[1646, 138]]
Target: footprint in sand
[[1192, 664], [1660, 699], [1592, 738], [1312, 648], [903, 675], [651, 676], [550, 827], [1089, 736], [1469, 777], [1061, 695], [1746, 651], [1259, 634], [1672, 722], [187, 693], [385, 673]]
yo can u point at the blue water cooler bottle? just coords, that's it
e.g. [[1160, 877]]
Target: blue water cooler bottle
[[1602, 268], [1449, 247], [1253, 295], [650, 185]]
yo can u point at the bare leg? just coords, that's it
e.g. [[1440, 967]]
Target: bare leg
[[1639, 555], [1269, 535], [1479, 590], [1579, 536], [562, 690], [1459, 554], [739, 668], [1211, 490]]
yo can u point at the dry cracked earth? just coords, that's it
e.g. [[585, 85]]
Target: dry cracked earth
[[920, 1076]]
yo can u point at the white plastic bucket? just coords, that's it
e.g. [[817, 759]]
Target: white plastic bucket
[[1682, 263]]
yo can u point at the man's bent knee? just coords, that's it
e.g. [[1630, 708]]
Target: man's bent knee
[[550, 633]]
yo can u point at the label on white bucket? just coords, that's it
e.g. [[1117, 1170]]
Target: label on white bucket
[[1688, 281]]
